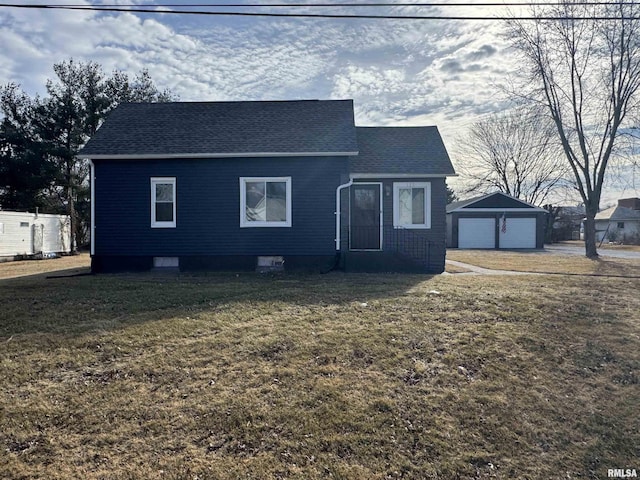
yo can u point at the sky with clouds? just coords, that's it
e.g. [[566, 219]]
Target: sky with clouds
[[399, 72]]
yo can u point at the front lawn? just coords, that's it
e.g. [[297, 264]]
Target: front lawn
[[546, 262], [336, 376]]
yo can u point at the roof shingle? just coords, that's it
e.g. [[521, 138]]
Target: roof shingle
[[402, 150], [618, 213], [200, 128]]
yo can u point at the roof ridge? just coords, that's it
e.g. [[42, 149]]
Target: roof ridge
[[210, 102], [389, 127]]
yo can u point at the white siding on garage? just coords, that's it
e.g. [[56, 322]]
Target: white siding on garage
[[477, 232], [519, 233]]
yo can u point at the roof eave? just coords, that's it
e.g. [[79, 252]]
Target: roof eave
[[463, 206], [497, 209], [168, 156], [401, 175]]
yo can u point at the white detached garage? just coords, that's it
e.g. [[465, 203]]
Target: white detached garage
[[495, 221]]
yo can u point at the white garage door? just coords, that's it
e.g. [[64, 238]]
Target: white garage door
[[477, 233], [518, 233]]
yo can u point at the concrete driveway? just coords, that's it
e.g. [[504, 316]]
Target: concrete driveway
[[579, 250]]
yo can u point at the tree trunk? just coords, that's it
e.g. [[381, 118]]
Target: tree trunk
[[552, 215], [590, 235]]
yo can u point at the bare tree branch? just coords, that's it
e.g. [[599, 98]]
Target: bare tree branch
[[587, 74], [515, 153]]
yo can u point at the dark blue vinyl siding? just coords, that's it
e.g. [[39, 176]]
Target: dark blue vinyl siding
[[208, 207], [435, 236]]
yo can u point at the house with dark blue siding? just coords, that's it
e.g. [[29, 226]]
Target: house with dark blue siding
[[267, 184]]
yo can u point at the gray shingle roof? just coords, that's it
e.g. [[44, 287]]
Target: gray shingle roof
[[200, 128], [618, 213], [495, 200], [461, 203], [402, 150]]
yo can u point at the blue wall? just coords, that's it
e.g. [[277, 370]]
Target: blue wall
[[434, 238], [208, 207], [436, 235]]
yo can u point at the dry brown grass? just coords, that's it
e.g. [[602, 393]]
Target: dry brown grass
[[309, 377], [69, 264], [544, 262], [604, 246]]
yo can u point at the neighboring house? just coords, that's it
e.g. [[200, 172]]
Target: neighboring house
[[24, 234], [620, 223], [236, 185], [495, 220]]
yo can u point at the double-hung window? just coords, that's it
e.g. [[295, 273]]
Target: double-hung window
[[163, 202], [265, 201], [412, 205]]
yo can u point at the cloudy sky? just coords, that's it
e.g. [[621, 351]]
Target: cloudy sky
[[399, 72]]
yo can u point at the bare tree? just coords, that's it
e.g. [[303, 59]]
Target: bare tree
[[516, 153], [40, 138], [585, 70]]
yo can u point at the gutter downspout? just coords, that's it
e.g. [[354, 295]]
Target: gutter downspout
[[93, 208], [337, 212]]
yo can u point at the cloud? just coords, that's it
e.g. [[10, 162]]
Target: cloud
[[445, 73], [485, 51], [451, 65], [226, 58]]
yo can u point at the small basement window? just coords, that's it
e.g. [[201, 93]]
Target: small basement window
[[621, 225], [270, 264], [166, 262], [24, 224]]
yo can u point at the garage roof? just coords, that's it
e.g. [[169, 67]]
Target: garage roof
[[492, 201]]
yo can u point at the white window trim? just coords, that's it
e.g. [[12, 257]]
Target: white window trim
[[396, 204], [244, 223], [154, 182]]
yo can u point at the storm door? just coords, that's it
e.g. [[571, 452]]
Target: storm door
[[366, 215]]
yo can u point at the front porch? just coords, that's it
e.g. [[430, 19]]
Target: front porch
[[391, 250]]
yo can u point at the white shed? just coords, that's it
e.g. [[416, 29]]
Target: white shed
[[24, 233]]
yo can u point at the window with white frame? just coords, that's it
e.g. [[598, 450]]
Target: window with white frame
[[412, 204], [163, 202], [265, 201]]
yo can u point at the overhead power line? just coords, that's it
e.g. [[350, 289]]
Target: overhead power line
[[137, 9], [350, 5]]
